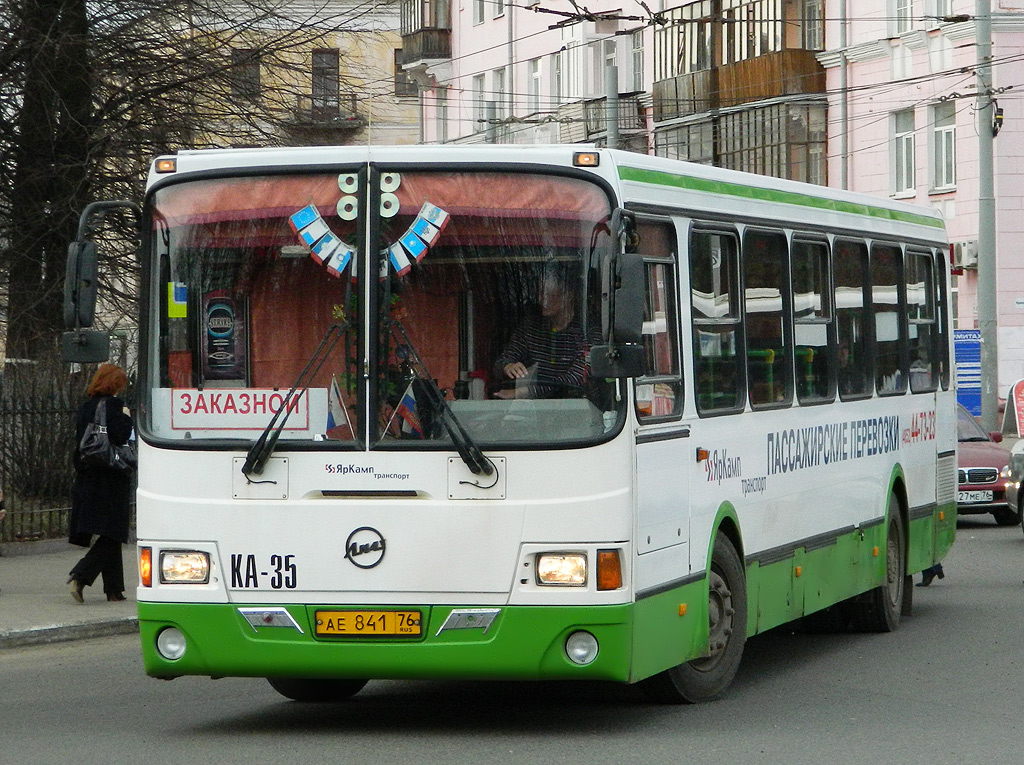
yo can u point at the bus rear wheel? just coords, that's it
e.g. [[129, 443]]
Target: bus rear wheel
[[316, 689], [704, 678]]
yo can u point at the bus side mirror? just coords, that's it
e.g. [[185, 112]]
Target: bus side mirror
[[627, 299], [80, 285], [623, 311], [85, 346], [81, 276]]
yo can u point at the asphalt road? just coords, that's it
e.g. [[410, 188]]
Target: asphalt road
[[947, 687]]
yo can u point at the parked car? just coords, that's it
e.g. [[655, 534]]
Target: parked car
[[984, 473]]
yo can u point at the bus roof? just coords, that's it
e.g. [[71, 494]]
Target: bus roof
[[644, 181]]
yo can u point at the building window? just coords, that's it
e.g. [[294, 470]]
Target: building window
[[533, 83], [499, 8], [943, 8], [693, 143], [683, 45], [478, 11], [479, 104], [813, 31], [610, 61], [752, 28], [556, 77], [405, 86], [903, 16], [638, 60], [944, 146], [325, 83], [245, 74], [904, 157], [442, 114], [783, 141]]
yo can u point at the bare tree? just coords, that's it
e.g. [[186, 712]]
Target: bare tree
[[91, 91]]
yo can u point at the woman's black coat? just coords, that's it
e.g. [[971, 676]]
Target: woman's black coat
[[101, 497]]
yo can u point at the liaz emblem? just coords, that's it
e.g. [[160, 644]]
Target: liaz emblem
[[365, 547]]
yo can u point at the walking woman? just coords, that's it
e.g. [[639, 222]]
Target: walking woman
[[101, 497]]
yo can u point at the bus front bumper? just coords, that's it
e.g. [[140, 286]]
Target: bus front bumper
[[521, 642]]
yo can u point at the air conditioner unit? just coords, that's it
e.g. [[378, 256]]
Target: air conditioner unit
[[965, 254]]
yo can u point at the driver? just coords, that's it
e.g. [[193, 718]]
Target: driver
[[549, 347]]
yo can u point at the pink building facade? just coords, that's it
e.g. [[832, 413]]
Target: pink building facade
[[903, 123]]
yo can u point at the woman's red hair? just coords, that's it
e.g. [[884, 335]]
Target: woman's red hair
[[109, 380]]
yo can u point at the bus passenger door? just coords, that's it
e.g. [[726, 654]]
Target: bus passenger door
[[662, 440]]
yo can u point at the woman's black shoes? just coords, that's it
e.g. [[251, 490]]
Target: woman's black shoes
[[929, 574], [115, 596], [76, 589]]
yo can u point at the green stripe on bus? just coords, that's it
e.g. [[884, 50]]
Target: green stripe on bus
[[690, 183]]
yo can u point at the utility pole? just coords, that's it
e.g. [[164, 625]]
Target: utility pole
[[987, 296], [611, 88]]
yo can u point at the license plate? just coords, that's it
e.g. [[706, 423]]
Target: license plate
[[369, 623], [967, 497]]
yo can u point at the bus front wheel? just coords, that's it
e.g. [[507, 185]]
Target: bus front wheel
[[704, 678], [316, 689]]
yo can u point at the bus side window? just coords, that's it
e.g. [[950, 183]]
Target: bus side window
[[814, 339], [890, 320], [923, 335], [715, 305], [942, 358], [765, 306], [853, 367]]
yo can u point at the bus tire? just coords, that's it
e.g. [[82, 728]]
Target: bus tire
[[704, 678], [316, 689], [879, 610]]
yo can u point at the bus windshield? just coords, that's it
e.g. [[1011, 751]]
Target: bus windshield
[[484, 287]]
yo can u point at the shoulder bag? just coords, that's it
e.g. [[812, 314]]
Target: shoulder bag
[[96, 450]]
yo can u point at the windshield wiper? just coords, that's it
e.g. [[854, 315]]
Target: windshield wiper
[[464, 445], [263, 447]]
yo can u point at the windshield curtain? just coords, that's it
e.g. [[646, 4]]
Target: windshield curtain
[[486, 294]]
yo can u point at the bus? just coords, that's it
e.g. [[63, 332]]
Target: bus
[[523, 412]]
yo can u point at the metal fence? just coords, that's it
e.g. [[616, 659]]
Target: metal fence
[[36, 437]]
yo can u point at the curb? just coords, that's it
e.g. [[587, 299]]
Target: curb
[[62, 632]]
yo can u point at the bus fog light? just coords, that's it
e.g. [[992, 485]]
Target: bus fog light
[[567, 569], [184, 567], [170, 644], [581, 647]]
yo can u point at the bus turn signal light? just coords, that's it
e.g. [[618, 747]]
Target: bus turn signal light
[[146, 566], [166, 165], [609, 570]]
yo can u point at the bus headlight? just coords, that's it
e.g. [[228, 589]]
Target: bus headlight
[[184, 567], [562, 569]]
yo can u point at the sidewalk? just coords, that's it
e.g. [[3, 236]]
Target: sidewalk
[[36, 606]]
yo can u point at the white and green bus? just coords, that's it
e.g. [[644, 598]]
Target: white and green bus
[[369, 448]]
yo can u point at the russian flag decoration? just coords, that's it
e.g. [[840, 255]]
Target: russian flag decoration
[[324, 247], [337, 415], [327, 250], [406, 411]]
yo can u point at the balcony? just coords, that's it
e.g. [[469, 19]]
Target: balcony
[[327, 112], [631, 115], [425, 46], [783, 73]]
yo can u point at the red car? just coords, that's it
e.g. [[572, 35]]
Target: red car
[[984, 472]]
